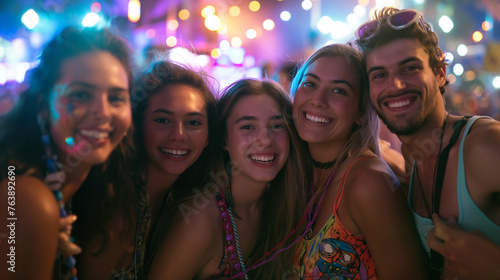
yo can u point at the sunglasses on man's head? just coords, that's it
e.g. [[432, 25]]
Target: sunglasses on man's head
[[397, 21]]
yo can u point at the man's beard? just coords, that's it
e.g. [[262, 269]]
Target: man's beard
[[408, 128]]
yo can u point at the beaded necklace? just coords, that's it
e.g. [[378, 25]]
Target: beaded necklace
[[54, 179], [230, 235]]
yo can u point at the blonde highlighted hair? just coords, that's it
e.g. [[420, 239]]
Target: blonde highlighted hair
[[365, 134]]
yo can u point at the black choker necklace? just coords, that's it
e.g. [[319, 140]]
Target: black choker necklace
[[324, 165]]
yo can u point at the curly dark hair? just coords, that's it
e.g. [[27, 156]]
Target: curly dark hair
[[386, 34]]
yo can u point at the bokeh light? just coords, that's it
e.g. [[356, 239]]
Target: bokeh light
[[236, 42], [449, 56], [458, 69], [95, 7], [470, 75], [224, 45], [477, 36], [251, 33], [237, 55], [462, 50], [486, 25], [184, 14], [496, 82], [30, 19], [268, 24], [285, 16], [359, 10], [446, 24], [172, 24], [234, 11], [307, 5], [339, 30], [254, 6], [213, 22], [216, 53], [171, 41], [208, 11], [324, 24], [202, 60], [91, 19], [134, 10]]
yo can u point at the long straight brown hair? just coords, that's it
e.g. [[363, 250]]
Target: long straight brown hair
[[285, 201]]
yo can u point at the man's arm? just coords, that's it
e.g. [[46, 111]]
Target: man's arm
[[471, 255]]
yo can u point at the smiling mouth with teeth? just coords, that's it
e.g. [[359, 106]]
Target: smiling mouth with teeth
[[263, 159], [398, 104], [174, 153], [316, 119], [95, 134]]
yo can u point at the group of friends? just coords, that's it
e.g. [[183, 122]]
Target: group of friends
[[172, 180]]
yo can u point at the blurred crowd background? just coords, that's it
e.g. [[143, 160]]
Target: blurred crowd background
[[232, 39]]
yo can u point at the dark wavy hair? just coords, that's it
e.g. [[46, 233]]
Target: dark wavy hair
[[27, 149], [20, 135], [386, 34], [161, 75], [285, 200]]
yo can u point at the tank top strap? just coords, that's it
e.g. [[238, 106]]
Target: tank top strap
[[340, 191]]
